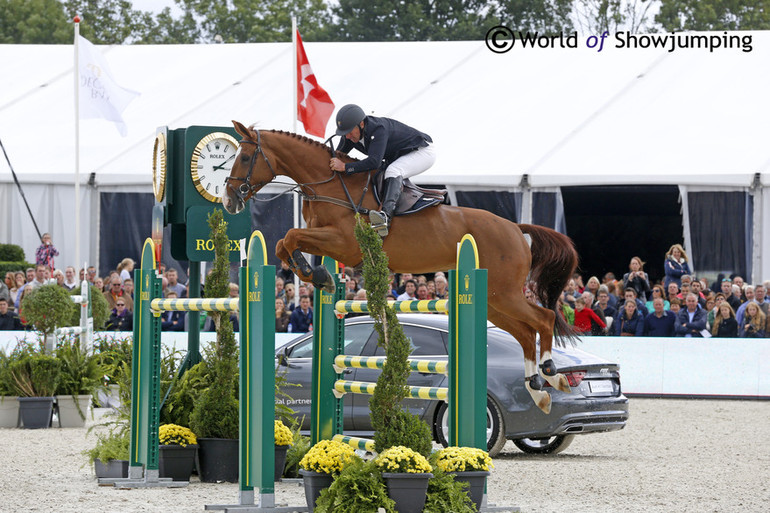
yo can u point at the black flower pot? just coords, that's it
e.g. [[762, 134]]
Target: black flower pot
[[218, 460], [112, 469], [176, 462], [407, 490], [280, 460], [36, 412], [314, 482], [476, 480]]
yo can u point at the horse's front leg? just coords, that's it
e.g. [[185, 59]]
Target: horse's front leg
[[316, 241]]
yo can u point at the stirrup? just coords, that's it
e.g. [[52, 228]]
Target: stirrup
[[380, 222]]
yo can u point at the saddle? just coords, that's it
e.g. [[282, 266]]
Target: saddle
[[413, 198]]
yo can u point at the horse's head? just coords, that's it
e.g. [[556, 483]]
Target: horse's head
[[251, 170]]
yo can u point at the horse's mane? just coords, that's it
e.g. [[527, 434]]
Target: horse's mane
[[312, 142]]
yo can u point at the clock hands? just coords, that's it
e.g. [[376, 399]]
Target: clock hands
[[222, 165]]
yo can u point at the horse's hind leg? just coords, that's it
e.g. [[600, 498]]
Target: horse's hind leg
[[525, 335]]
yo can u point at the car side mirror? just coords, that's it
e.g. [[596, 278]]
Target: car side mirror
[[282, 359]]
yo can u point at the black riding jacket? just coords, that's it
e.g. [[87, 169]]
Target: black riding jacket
[[383, 139]]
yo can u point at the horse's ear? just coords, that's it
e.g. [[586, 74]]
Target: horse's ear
[[241, 129]]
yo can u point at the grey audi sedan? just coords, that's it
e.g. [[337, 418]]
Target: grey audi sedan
[[595, 405]]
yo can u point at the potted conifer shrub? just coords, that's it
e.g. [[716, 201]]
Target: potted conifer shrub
[[215, 417]]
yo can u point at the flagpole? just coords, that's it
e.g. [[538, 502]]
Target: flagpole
[[295, 99], [77, 143]]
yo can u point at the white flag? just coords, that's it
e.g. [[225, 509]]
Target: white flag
[[100, 96]]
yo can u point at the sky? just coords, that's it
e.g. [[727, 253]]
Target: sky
[[155, 6]]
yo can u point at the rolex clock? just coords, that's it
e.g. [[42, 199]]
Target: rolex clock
[[211, 163], [159, 165]]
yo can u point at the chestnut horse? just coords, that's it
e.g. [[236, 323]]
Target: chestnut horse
[[423, 242]]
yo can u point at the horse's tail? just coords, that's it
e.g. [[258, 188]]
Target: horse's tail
[[554, 260]]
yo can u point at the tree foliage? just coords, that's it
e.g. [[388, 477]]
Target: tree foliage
[[677, 15], [34, 22]]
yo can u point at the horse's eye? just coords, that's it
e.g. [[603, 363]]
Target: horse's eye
[[245, 158]]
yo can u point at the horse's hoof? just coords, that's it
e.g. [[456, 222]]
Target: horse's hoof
[[541, 398], [559, 382]]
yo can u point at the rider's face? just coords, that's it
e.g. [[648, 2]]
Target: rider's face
[[354, 135]]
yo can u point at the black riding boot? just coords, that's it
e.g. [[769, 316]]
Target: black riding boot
[[381, 219]]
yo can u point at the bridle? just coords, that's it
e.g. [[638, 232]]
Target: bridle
[[246, 188]]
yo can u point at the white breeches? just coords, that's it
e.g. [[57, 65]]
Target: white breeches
[[412, 163]]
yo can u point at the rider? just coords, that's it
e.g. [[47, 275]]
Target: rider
[[403, 152]]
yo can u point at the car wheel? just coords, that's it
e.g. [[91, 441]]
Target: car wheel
[[550, 445], [495, 427]]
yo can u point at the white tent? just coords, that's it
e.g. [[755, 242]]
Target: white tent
[[691, 118]]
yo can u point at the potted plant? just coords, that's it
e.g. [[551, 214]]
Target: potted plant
[[406, 475], [47, 308], [321, 464], [469, 465], [215, 416], [283, 440], [9, 406], [81, 377], [34, 377], [110, 454], [178, 447], [114, 356]]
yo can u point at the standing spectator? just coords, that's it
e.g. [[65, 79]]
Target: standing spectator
[[125, 268], [19, 282], [660, 322], [128, 288], [630, 295], [45, 252], [58, 278], [289, 298], [280, 292], [410, 288], [171, 320], [675, 265], [30, 277], [629, 322], [691, 320], [286, 274], [749, 294], [173, 284], [281, 316], [9, 321], [301, 320], [637, 279], [603, 302], [759, 297], [585, 318], [442, 287], [727, 290], [725, 324], [116, 292], [69, 278], [120, 318], [753, 325], [657, 292]]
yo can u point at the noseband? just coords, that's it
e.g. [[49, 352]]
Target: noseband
[[246, 188]]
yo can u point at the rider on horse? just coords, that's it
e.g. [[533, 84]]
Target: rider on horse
[[400, 149]]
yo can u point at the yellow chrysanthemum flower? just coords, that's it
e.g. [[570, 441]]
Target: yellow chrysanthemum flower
[[328, 456], [283, 434], [463, 459], [171, 434], [402, 459]]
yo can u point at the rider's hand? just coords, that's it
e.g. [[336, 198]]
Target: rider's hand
[[336, 164]]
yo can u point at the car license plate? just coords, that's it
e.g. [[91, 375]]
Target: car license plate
[[603, 387]]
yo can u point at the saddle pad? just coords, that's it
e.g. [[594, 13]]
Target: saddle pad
[[413, 198]]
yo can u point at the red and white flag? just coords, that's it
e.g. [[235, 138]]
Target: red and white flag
[[314, 106]]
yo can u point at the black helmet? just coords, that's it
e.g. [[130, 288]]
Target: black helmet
[[348, 117]]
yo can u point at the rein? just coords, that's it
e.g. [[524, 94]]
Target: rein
[[246, 188]]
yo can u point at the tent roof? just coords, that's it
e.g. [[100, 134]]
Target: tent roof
[[562, 116]]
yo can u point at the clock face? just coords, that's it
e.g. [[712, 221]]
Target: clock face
[[212, 161], [159, 164]]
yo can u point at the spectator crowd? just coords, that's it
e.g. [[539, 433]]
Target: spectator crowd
[[680, 305]]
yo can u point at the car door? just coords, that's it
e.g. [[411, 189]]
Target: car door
[[299, 372], [427, 343]]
